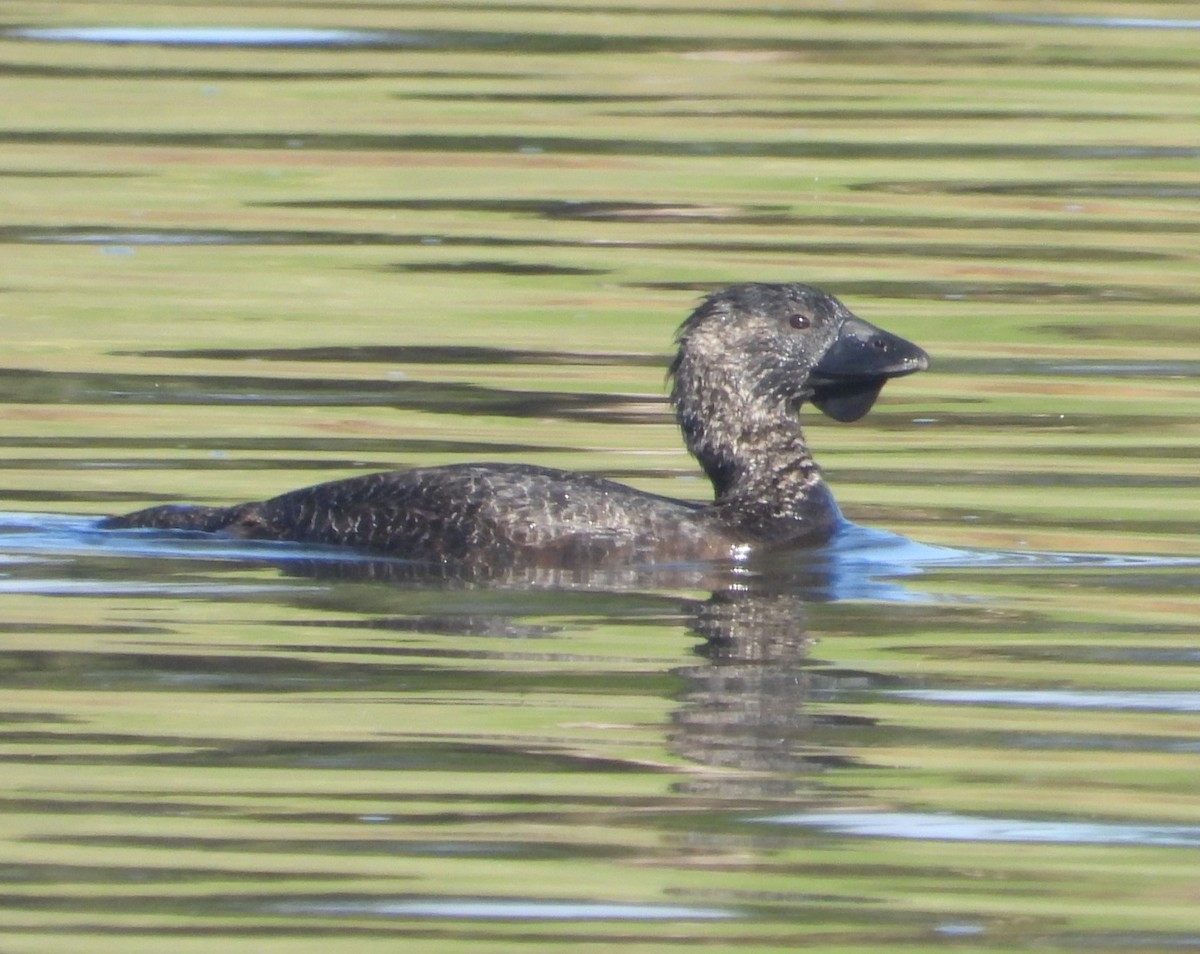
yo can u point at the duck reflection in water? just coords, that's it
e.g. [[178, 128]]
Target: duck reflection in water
[[741, 710], [749, 356]]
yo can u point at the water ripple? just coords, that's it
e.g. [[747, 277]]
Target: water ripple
[[219, 36], [516, 909], [949, 827], [1118, 23], [879, 549], [1113, 700], [538, 144], [857, 564]]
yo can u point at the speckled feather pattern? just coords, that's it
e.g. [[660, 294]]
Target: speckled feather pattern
[[738, 380], [480, 512]]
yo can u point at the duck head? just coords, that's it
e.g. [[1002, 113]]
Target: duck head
[[749, 357], [785, 344]]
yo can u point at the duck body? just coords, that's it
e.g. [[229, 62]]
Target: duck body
[[472, 515], [748, 357]]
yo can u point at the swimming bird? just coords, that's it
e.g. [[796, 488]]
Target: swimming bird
[[748, 357]]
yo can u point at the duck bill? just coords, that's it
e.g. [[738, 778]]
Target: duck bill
[[848, 378]]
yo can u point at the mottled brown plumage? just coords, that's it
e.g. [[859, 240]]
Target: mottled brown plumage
[[748, 357]]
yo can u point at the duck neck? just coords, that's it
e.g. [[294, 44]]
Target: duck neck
[[753, 450]]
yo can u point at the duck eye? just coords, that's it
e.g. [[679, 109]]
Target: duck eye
[[799, 321]]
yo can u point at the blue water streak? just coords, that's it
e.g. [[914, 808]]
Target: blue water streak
[[950, 827], [218, 36]]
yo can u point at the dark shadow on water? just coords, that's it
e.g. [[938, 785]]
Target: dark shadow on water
[[561, 209], [415, 354], [465, 144], [497, 268], [615, 210], [234, 74], [62, 173], [21, 386], [981, 291], [492, 96], [881, 115], [125, 240], [297, 444]]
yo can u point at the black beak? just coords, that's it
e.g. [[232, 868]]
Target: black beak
[[850, 375]]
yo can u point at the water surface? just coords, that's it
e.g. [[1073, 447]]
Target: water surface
[[245, 254]]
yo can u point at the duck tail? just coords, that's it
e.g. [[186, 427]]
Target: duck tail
[[174, 517]]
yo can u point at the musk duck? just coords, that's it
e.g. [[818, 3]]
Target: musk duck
[[749, 356]]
